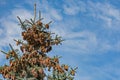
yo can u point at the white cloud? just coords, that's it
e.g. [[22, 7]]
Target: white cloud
[[1, 32], [71, 10], [110, 17], [117, 46], [73, 7], [105, 46], [84, 42], [22, 13], [107, 20], [55, 14], [109, 14], [51, 15], [79, 42]]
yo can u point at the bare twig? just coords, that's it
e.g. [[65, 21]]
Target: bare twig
[[40, 18], [39, 15], [34, 12]]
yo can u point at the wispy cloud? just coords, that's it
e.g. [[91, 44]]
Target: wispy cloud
[[73, 7], [106, 12], [81, 42], [108, 16]]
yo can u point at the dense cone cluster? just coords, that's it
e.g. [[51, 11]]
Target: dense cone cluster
[[38, 38], [34, 63]]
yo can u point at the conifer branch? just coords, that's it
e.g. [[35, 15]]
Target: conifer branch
[[21, 23], [3, 52], [11, 47], [28, 22], [50, 22], [32, 21]]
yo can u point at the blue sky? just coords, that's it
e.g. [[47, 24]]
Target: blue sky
[[91, 29]]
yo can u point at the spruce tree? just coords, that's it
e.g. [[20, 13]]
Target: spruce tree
[[34, 63]]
